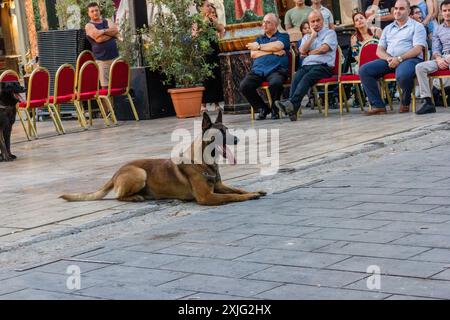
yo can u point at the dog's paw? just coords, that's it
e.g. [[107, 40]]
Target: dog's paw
[[13, 156], [255, 196], [262, 193]]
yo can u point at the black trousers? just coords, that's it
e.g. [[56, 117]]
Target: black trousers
[[304, 79], [252, 81]]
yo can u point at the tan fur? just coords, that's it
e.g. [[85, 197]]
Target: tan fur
[[141, 180]]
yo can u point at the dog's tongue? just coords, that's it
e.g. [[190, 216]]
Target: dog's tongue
[[229, 154]]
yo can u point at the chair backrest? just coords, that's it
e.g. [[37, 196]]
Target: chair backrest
[[337, 70], [119, 77], [9, 76], [38, 85], [368, 52], [88, 78], [64, 81], [83, 57]]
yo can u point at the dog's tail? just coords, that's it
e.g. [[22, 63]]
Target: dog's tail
[[97, 195]]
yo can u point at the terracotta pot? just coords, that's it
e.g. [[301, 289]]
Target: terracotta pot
[[187, 101]]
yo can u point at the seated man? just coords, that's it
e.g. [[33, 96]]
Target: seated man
[[400, 49], [440, 59], [318, 50], [271, 64]]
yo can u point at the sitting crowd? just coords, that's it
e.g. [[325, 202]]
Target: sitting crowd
[[401, 54]]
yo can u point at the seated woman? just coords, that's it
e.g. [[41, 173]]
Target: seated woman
[[362, 34]]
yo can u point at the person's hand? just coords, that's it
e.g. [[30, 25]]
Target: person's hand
[[280, 53], [394, 63], [442, 63], [253, 46], [313, 34]]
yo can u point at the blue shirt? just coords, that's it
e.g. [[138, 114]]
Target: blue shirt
[[399, 40], [441, 39], [324, 36], [267, 64]]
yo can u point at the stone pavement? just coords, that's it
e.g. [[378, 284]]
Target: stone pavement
[[313, 242], [82, 161]]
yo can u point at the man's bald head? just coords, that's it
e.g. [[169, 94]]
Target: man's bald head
[[315, 19], [272, 17], [270, 23]]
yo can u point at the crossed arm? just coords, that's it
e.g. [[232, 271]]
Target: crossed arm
[[276, 47], [102, 35]]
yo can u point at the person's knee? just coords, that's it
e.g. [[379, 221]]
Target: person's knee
[[420, 68], [246, 87]]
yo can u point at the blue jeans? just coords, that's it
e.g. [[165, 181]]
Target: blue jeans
[[404, 73]]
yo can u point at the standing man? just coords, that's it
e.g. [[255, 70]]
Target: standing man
[[400, 49], [296, 16], [319, 52], [270, 63], [102, 34], [328, 19], [440, 59]]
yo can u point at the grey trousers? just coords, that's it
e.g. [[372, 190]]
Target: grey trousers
[[422, 71]]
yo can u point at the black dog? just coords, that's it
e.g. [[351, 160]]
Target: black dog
[[9, 96]]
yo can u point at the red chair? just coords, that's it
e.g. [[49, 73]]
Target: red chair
[[441, 74], [38, 97], [64, 91], [265, 85], [326, 82], [87, 90], [83, 57], [367, 54], [119, 85], [9, 76]]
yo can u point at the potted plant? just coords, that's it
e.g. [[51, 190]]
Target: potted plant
[[172, 48]]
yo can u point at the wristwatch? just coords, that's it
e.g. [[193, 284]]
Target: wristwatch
[[400, 59], [259, 46]]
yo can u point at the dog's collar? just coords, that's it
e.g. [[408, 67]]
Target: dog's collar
[[210, 177]]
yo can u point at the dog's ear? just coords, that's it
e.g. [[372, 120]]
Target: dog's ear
[[219, 117], [206, 123]]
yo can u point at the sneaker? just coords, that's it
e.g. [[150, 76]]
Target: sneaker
[[285, 106], [262, 114], [426, 108]]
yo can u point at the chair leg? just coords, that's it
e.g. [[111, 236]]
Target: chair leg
[[346, 101], [52, 115], [56, 110], [341, 87], [444, 97], [413, 95], [19, 114], [80, 112], [31, 128], [90, 112], [388, 95], [102, 110], [326, 100], [359, 95], [136, 116], [111, 108], [317, 98], [431, 86], [252, 114]]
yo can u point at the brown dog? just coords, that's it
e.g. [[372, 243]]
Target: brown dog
[[185, 180]]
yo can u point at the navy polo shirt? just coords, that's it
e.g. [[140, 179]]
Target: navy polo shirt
[[265, 65]]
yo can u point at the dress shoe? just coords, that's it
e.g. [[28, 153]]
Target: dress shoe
[[293, 116], [262, 114], [376, 111], [286, 106], [426, 108], [403, 109]]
